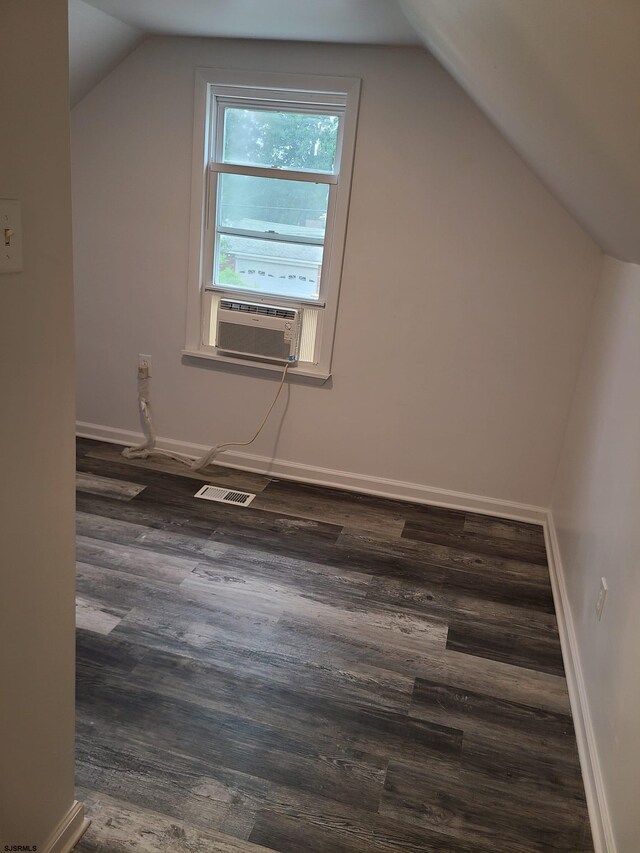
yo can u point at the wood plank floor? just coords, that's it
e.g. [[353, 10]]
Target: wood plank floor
[[320, 672]]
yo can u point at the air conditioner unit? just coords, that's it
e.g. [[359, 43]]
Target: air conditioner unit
[[254, 330]]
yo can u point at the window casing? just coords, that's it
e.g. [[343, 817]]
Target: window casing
[[270, 232]]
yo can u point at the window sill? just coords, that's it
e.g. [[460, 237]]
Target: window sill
[[312, 374]]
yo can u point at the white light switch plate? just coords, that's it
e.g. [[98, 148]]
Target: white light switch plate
[[10, 236]]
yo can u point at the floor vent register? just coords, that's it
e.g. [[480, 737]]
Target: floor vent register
[[224, 496]]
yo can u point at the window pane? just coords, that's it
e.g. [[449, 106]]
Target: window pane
[[269, 266], [292, 208], [285, 140]]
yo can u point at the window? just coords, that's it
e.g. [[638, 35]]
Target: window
[[270, 194]]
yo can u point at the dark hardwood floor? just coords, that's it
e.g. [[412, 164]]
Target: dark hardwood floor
[[320, 672]]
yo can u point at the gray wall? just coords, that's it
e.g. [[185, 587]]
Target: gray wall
[[36, 431], [596, 506], [465, 292]]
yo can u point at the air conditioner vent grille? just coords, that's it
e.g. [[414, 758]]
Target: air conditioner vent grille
[[224, 496], [270, 343], [254, 308]]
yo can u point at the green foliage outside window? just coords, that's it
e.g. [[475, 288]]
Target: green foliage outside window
[[286, 140]]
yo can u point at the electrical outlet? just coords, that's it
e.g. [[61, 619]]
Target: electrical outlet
[[144, 366], [602, 597]]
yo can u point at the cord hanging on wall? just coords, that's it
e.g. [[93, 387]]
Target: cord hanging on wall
[[148, 447]]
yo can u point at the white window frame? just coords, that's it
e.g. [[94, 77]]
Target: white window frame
[[214, 87]]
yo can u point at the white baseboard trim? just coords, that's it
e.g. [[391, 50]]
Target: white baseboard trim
[[70, 830], [395, 489], [599, 815]]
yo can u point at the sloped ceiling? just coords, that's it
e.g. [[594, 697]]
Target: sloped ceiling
[[357, 21], [97, 43], [103, 32], [561, 79]]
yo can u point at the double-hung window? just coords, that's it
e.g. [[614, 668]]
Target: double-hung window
[[272, 173]]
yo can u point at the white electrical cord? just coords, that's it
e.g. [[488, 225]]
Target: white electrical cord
[[211, 454], [148, 447]]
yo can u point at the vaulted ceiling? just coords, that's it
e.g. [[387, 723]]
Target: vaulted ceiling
[[559, 78], [97, 43], [360, 21]]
